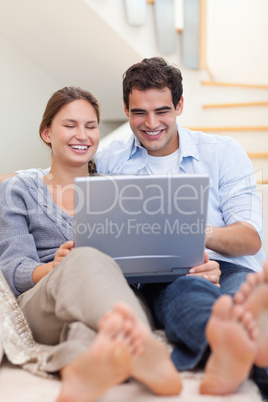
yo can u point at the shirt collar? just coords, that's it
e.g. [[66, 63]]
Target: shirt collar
[[187, 148], [137, 146]]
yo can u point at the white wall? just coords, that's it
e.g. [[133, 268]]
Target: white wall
[[238, 40], [23, 96]]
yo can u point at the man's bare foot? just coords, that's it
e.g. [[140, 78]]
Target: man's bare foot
[[231, 333], [106, 363], [151, 363], [253, 295]]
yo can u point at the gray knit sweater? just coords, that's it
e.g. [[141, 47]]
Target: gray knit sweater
[[32, 228]]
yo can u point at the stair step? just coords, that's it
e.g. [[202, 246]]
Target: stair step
[[234, 84], [238, 104], [228, 129], [258, 155]]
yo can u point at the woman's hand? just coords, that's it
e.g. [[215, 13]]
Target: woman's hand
[[42, 270], [64, 250], [209, 270]]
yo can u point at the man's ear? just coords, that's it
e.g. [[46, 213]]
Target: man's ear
[[45, 134], [179, 107], [126, 110]]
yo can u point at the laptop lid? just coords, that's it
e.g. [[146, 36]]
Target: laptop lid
[[152, 226]]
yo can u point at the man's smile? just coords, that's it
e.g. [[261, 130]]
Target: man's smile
[[155, 134]]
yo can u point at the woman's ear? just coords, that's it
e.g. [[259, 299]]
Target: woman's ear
[[45, 134]]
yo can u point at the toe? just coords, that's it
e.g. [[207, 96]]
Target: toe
[[222, 307]]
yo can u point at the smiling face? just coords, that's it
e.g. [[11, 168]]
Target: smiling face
[[73, 134], [152, 118]]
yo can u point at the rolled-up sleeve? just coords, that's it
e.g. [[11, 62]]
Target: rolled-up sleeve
[[239, 200]]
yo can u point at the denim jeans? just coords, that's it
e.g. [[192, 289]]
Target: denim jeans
[[183, 308]]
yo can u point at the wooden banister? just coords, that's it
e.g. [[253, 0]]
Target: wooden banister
[[203, 34]]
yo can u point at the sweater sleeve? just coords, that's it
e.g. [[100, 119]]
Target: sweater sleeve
[[18, 253]]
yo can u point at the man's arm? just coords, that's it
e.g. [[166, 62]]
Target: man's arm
[[6, 176], [26, 171], [233, 240], [240, 233]]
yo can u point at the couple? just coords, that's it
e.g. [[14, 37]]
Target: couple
[[64, 292]]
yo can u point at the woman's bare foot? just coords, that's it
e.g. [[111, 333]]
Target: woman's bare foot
[[151, 363], [106, 363], [231, 332], [253, 295]]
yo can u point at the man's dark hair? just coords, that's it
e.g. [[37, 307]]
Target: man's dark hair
[[152, 73]]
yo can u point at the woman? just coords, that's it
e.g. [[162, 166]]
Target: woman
[[64, 291]]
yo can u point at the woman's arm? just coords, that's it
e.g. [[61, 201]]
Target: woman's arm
[[18, 254], [28, 235]]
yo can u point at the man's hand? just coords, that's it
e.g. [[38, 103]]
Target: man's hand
[[6, 176], [208, 270]]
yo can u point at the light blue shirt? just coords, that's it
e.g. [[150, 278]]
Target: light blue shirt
[[232, 196]]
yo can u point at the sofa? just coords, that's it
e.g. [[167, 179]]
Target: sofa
[[21, 384]]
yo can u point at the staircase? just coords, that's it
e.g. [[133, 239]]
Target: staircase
[[239, 111]]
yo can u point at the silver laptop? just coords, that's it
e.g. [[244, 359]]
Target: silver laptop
[[152, 226]]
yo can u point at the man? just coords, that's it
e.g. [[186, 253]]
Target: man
[[152, 92]]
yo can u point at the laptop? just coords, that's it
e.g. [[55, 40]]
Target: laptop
[[152, 226]]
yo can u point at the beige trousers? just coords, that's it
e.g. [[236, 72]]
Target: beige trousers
[[64, 308]]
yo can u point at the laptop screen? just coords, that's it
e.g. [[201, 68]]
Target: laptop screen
[[148, 224]]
